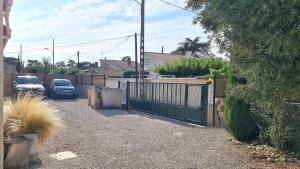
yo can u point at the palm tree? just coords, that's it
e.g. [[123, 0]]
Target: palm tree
[[195, 46]]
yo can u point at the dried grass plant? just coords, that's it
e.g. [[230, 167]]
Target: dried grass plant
[[31, 115]]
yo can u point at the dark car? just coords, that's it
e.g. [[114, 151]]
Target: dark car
[[60, 88], [32, 84]]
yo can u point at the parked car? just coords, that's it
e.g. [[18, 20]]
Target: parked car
[[25, 84], [61, 88]]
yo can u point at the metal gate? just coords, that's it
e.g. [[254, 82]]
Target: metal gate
[[186, 102]]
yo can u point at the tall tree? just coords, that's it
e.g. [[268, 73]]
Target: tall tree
[[60, 64], [195, 46], [34, 66], [263, 40], [46, 61]]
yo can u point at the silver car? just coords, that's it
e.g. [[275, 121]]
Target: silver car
[[32, 84], [61, 88]]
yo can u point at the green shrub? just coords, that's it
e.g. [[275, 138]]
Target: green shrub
[[187, 67], [239, 120], [284, 130], [238, 117]]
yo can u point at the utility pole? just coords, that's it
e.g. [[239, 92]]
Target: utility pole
[[21, 58], [53, 53], [19, 64], [142, 48], [136, 58], [136, 64], [78, 62]]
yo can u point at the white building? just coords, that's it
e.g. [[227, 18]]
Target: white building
[[153, 59]]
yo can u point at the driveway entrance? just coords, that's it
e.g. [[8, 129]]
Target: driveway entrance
[[115, 139]]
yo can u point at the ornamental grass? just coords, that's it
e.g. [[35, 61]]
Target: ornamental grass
[[31, 115]]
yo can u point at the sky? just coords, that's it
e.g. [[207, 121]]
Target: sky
[[36, 22]]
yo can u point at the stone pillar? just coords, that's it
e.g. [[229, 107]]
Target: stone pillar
[[210, 110]]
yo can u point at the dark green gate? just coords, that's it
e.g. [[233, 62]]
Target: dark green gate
[[186, 102]]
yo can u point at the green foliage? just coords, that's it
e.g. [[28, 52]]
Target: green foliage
[[34, 66], [45, 66], [238, 117], [239, 120], [65, 71], [263, 41], [223, 71], [187, 67]]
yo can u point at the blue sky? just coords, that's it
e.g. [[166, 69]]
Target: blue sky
[[36, 22]]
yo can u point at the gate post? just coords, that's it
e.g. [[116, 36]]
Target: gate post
[[186, 95], [204, 104], [152, 93], [127, 94], [210, 106]]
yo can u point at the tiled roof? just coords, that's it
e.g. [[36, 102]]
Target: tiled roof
[[113, 67], [163, 56]]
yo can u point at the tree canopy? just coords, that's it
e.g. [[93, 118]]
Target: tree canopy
[[187, 67], [45, 66], [263, 42], [195, 46]]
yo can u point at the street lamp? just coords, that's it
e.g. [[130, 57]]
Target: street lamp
[[52, 53]]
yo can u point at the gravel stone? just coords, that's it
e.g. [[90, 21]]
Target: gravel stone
[[112, 139]]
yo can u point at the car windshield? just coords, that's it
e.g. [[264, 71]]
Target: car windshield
[[28, 80], [62, 83]]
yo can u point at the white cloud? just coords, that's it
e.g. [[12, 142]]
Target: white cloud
[[86, 20]]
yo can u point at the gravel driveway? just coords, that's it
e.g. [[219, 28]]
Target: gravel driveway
[[115, 139]]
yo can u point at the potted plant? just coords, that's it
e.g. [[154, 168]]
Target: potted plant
[[28, 122]]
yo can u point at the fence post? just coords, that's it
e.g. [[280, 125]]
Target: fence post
[[186, 95], [152, 93], [127, 94], [105, 81], [92, 80], [214, 98], [204, 104]]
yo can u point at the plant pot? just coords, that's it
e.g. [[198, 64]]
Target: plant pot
[[21, 151], [17, 153]]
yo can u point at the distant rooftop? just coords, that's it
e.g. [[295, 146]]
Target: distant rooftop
[[113, 67], [163, 56]]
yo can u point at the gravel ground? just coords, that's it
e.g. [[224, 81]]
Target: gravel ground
[[115, 139]]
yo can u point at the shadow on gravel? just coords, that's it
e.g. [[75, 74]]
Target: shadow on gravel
[[112, 112], [165, 119], [63, 100]]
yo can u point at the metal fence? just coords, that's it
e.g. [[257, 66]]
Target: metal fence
[[187, 102]]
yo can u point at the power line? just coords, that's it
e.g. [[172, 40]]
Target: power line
[[169, 3], [138, 2], [74, 44], [93, 42], [116, 46]]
